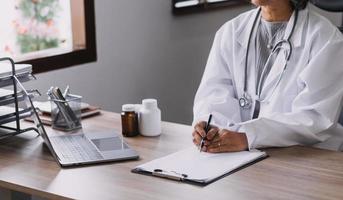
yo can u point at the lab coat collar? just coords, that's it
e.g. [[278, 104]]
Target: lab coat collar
[[244, 29], [296, 39]]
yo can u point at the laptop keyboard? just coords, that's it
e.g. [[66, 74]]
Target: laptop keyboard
[[75, 148]]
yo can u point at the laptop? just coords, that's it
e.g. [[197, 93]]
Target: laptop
[[84, 148]]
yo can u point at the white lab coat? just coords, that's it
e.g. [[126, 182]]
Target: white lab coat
[[306, 104]]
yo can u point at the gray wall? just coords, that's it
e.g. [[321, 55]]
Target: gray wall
[[145, 51]]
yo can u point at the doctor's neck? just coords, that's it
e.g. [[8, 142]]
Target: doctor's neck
[[277, 12]]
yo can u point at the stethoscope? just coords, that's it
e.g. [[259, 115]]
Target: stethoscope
[[246, 101]]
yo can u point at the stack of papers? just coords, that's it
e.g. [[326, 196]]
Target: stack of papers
[[8, 114], [45, 111], [5, 92], [7, 96], [46, 106], [6, 69]]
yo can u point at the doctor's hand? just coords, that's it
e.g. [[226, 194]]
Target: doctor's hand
[[199, 132], [225, 141]]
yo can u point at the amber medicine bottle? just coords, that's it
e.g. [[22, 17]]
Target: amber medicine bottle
[[129, 121]]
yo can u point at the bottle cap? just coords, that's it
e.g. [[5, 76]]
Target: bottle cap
[[149, 103], [128, 108]]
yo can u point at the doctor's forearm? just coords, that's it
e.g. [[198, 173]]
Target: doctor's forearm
[[265, 132]]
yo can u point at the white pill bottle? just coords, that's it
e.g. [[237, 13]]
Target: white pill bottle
[[150, 118]]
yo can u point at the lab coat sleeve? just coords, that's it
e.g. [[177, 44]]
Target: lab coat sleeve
[[215, 94], [314, 110]]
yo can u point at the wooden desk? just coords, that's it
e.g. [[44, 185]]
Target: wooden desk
[[289, 173]]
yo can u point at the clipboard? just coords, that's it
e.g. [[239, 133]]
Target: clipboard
[[192, 167]]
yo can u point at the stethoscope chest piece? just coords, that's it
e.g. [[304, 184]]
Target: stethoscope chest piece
[[245, 101]]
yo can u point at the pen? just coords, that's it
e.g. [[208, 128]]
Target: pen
[[207, 128], [66, 91]]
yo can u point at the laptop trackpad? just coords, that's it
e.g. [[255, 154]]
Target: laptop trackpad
[[109, 144]]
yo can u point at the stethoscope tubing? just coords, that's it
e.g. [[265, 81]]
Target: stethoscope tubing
[[275, 49]]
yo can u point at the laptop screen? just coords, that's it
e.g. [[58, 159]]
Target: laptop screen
[[38, 123]]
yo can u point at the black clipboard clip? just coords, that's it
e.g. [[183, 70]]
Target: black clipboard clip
[[170, 175]]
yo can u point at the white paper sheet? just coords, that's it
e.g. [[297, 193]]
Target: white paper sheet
[[6, 69], [201, 166], [46, 106]]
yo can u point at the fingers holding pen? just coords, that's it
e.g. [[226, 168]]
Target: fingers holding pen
[[199, 133], [200, 128], [228, 141], [216, 140], [196, 138], [211, 135]]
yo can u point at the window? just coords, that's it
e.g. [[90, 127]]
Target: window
[[50, 34], [185, 6]]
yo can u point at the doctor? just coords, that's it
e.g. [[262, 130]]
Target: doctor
[[274, 78]]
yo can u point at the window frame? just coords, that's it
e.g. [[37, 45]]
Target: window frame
[[76, 57], [205, 6]]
